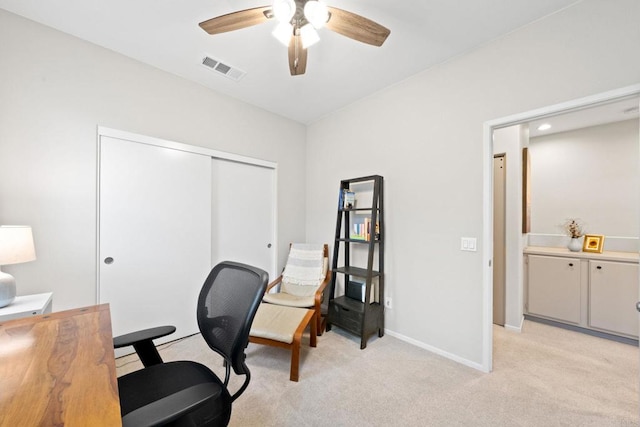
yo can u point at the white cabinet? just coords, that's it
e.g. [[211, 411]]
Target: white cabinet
[[613, 291], [554, 288], [588, 290]]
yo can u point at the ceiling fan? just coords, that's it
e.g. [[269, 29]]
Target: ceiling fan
[[297, 24]]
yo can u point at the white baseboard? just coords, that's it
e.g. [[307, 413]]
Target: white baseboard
[[517, 329], [437, 351]]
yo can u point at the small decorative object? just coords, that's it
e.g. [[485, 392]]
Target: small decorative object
[[593, 243], [575, 244], [574, 229]]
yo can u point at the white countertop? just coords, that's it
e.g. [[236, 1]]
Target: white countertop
[[564, 252]]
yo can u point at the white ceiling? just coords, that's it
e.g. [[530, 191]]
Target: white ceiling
[[610, 112], [165, 34]]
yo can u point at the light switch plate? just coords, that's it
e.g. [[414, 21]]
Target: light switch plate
[[468, 244]]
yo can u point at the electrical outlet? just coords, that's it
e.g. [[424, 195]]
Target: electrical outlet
[[388, 302]]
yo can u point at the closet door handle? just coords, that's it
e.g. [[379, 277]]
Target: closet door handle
[[599, 267]]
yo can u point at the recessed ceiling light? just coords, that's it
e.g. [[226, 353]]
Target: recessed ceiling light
[[544, 126]]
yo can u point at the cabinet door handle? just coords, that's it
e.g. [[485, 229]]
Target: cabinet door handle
[[570, 264], [599, 267]]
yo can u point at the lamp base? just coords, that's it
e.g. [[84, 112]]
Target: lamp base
[[7, 289]]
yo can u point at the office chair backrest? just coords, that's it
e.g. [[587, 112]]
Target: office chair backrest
[[227, 305]]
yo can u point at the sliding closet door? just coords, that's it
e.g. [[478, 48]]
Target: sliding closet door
[[243, 214], [154, 234]]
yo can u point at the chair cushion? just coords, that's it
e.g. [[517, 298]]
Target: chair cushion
[[276, 322], [283, 298], [143, 387]]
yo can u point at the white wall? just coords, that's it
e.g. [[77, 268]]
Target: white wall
[[589, 174], [54, 91], [511, 141], [424, 135]]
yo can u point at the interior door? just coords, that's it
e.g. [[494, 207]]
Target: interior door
[[154, 234], [499, 234], [243, 214]]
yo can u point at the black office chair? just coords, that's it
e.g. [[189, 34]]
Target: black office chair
[[188, 393]]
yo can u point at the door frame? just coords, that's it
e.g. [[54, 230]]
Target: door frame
[[149, 140], [502, 156], [487, 195]]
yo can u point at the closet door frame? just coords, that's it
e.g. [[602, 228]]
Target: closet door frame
[[143, 139]]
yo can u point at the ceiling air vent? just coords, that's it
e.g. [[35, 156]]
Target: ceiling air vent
[[221, 68]]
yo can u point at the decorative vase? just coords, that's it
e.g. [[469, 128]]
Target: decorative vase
[[575, 244]]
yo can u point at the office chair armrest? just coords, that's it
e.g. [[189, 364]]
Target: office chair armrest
[[143, 335], [142, 342], [171, 407], [274, 283]]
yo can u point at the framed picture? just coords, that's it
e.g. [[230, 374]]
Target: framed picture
[[593, 243]]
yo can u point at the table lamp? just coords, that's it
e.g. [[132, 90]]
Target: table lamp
[[16, 246]]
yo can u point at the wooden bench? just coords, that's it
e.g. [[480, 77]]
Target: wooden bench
[[282, 326]]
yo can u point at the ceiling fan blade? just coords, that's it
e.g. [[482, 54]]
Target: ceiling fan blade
[[357, 27], [297, 56], [237, 20]]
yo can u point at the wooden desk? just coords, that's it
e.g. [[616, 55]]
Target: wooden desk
[[59, 369]]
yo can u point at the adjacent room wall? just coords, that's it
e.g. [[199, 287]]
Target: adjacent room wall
[[511, 141], [425, 136], [589, 174], [55, 90]]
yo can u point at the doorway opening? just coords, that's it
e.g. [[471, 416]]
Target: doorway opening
[[488, 192]]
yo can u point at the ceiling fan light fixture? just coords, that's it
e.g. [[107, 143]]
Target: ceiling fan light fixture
[[309, 36], [284, 10], [316, 13], [283, 33]]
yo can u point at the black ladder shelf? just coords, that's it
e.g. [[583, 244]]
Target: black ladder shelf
[[353, 315]]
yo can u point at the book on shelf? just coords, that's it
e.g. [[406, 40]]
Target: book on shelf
[[362, 230], [349, 199]]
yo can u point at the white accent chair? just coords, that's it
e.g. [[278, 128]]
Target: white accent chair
[[303, 281]]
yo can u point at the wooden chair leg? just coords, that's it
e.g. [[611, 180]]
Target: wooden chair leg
[[318, 321], [295, 359], [313, 333], [310, 320]]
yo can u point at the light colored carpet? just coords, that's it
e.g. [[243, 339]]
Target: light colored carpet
[[544, 376]]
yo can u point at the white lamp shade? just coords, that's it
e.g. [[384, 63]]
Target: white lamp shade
[[284, 10], [283, 33], [309, 36], [316, 13], [16, 244]]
